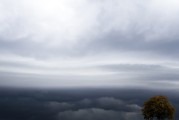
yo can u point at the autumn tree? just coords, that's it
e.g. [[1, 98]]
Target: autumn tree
[[158, 107]]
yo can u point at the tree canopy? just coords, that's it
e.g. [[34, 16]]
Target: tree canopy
[[158, 107]]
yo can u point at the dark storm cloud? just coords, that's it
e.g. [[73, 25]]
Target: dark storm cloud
[[102, 108], [81, 104], [97, 114], [109, 103], [60, 105]]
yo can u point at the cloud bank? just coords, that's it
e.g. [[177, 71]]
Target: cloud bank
[[89, 43], [78, 104], [60, 105]]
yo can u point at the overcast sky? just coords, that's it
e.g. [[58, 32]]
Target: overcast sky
[[95, 43]]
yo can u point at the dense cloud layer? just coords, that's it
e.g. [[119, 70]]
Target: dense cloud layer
[[89, 43], [77, 104]]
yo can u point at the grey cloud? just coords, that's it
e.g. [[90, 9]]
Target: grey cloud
[[162, 76], [133, 67], [144, 72], [97, 114], [134, 16], [59, 106], [109, 103], [77, 104], [74, 30], [28, 48], [134, 107], [114, 42]]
